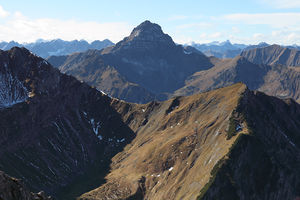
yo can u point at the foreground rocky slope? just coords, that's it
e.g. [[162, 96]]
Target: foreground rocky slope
[[60, 132], [13, 189], [229, 143]]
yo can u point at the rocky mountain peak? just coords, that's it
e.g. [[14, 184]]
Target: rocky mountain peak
[[147, 30], [147, 35]]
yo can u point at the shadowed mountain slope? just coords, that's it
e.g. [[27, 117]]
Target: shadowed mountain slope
[[60, 130]]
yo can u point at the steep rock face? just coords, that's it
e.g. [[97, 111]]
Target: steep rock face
[[176, 146], [273, 54], [264, 164], [147, 58], [22, 75], [13, 189], [64, 132], [282, 82]]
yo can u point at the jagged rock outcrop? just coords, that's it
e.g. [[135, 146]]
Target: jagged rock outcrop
[[13, 189], [24, 75]]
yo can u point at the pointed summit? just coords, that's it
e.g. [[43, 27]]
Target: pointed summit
[[149, 31], [145, 36]]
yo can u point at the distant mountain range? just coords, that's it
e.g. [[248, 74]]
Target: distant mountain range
[[227, 49], [220, 49], [57, 47]]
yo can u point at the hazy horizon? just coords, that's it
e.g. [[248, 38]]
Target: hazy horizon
[[247, 22]]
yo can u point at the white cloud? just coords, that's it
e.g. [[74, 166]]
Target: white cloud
[[178, 17], [3, 13], [283, 3], [277, 20], [215, 35], [23, 29], [235, 30], [199, 25]]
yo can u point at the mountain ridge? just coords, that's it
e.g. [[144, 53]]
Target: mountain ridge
[[273, 54], [168, 156]]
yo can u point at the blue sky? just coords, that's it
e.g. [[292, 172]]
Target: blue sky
[[250, 22]]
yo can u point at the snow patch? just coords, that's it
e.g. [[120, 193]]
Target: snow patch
[[104, 93], [122, 140], [286, 137], [57, 52], [186, 52], [12, 91], [95, 127], [100, 137]]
